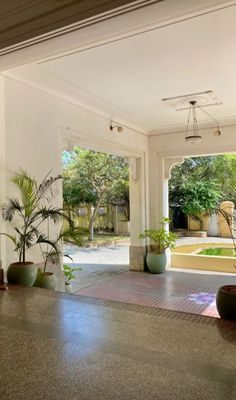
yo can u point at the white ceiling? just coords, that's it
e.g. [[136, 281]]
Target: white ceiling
[[129, 78]]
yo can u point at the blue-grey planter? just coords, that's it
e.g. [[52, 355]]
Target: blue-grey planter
[[156, 262]]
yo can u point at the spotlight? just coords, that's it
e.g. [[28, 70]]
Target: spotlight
[[118, 128]]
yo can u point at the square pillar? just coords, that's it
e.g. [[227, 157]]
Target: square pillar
[[138, 212]]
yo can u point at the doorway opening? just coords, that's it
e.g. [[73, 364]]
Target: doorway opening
[[96, 194]]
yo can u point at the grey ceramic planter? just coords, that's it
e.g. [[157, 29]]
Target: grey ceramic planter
[[22, 273], [156, 262], [47, 281]]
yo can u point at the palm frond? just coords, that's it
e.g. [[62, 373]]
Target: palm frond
[[71, 233], [11, 237], [52, 256], [46, 185], [27, 187], [53, 213], [43, 239], [11, 208]]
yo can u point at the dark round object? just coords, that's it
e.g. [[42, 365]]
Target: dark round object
[[226, 302]]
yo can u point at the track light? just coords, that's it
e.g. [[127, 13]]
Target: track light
[[118, 128]]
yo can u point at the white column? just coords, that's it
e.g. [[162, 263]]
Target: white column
[[160, 173], [137, 212], [2, 171]]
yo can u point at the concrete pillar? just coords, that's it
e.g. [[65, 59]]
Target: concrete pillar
[[137, 212], [224, 229]]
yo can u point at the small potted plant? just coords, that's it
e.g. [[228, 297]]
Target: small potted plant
[[53, 254], [69, 276], [161, 240]]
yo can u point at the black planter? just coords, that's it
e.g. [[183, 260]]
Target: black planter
[[226, 302]]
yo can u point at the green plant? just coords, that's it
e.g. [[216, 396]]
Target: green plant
[[161, 238], [52, 254], [30, 214], [200, 197], [69, 273]]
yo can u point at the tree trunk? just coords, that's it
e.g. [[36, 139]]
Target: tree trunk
[[92, 219]]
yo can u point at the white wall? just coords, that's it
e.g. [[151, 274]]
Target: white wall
[[38, 127]]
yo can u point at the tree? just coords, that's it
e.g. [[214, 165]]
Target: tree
[[94, 178], [200, 197], [220, 169]]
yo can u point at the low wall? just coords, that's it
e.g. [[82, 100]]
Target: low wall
[[204, 263], [186, 259]]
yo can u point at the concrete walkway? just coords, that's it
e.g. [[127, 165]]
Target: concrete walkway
[[196, 240]]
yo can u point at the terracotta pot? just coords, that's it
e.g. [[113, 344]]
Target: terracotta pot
[[226, 302], [22, 273]]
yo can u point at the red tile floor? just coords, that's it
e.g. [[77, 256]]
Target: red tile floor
[[181, 291]]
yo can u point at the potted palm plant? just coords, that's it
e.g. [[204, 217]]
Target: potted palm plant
[[27, 214], [53, 253], [161, 240]]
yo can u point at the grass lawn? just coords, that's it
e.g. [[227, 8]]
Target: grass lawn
[[102, 239]]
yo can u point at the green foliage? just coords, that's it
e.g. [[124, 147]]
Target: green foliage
[[220, 169], [199, 197], [160, 238], [90, 175], [95, 178], [69, 273], [29, 212]]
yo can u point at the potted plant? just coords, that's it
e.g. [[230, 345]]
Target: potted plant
[[226, 295], [28, 214], [161, 240], [69, 276], [53, 252]]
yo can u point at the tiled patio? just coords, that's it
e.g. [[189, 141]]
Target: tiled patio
[[180, 291]]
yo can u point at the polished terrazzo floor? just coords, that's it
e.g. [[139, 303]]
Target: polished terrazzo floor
[[57, 346]]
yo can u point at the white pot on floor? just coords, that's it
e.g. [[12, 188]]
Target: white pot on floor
[[68, 288]]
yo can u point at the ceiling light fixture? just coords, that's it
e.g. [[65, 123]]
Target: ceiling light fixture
[[118, 128], [192, 135]]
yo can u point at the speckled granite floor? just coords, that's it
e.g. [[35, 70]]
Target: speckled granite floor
[[57, 346]]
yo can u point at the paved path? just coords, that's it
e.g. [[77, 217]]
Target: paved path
[[99, 255], [99, 264]]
